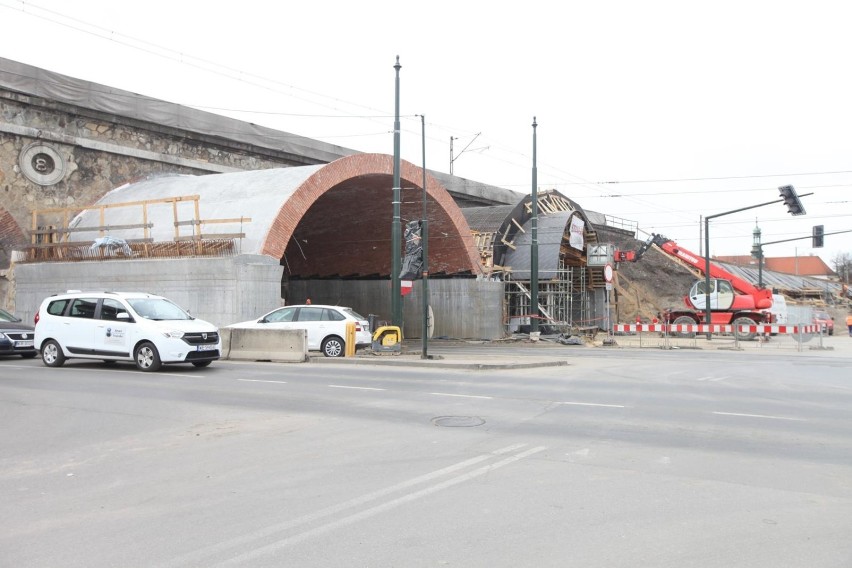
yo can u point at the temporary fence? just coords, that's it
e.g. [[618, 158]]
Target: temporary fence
[[673, 335]]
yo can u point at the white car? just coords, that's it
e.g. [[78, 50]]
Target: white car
[[326, 326], [143, 328]]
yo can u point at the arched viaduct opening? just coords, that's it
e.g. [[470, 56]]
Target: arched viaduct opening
[[337, 224]]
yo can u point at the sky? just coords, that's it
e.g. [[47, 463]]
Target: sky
[[657, 113]]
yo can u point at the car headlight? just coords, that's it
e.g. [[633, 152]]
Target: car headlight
[[175, 334], [2, 336]]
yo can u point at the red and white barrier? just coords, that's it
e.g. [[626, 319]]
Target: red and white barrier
[[634, 327], [713, 328]]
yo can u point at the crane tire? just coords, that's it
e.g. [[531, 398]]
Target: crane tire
[[743, 335], [684, 320]]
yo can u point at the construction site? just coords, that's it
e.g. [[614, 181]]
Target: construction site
[[645, 289], [113, 190]]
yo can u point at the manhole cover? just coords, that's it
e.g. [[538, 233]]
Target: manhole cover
[[458, 421]]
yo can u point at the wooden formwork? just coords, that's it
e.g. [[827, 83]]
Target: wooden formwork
[[51, 231]]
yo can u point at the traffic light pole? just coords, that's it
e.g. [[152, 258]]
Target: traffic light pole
[[761, 245], [708, 310]]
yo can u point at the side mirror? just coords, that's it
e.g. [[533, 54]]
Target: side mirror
[[123, 316]]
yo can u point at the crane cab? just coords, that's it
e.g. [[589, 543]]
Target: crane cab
[[722, 295]]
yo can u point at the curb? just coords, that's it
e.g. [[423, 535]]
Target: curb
[[387, 360]]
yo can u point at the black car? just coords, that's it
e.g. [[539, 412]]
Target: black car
[[16, 337]]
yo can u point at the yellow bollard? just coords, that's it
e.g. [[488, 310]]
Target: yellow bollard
[[350, 339]]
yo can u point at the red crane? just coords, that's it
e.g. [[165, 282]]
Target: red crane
[[733, 300]]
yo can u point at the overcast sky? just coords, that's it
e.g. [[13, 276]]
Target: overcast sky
[[653, 112]]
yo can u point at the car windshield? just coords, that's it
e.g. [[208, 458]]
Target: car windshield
[[354, 314], [822, 316], [6, 316], [158, 309]]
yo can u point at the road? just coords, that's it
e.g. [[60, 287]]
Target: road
[[620, 459]]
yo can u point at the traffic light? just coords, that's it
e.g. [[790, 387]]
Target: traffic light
[[816, 236], [791, 200]]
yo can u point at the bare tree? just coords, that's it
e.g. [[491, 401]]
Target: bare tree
[[843, 266]]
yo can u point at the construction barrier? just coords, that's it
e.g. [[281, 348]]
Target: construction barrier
[[686, 336], [287, 345], [714, 328]]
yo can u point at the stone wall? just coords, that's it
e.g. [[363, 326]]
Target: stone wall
[[56, 155]]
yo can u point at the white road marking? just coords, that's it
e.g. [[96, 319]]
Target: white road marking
[[262, 381], [760, 416], [194, 558], [243, 559], [355, 388], [134, 370], [593, 404], [461, 395]]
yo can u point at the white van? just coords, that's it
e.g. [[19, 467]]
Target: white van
[[143, 328], [779, 309]]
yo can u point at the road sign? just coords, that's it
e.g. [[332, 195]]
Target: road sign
[[608, 273]]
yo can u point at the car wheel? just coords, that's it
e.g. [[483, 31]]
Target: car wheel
[[201, 363], [147, 358], [333, 347], [51, 354]]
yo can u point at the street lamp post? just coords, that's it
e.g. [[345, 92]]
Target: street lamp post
[[396, 227], [424, 241], [757, 252], [534, 244]]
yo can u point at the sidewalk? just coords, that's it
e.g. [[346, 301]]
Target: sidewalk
[[549, 353], [834, 345]]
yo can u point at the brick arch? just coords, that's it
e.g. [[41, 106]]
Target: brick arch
[[341, 219], [11, 233]]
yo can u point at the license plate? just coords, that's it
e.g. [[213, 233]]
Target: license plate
[[24, 343], [207, 347]]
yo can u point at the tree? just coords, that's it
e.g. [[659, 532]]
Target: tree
[[843, 266]]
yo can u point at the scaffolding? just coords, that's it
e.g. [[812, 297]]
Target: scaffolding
[[565, 302], [50, 235]]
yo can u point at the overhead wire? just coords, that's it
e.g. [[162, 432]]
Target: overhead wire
[[597, 188]]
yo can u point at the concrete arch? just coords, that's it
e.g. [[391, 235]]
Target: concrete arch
[[520, 216], [337, 222]]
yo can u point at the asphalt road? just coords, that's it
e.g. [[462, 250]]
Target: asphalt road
[[619, 459]]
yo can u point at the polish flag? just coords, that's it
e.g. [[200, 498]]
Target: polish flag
[[406, 286]]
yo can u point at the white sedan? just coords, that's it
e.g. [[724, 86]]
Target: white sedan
[[326, 326]]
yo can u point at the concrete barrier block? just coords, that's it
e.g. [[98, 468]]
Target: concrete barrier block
[[288, 345]]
